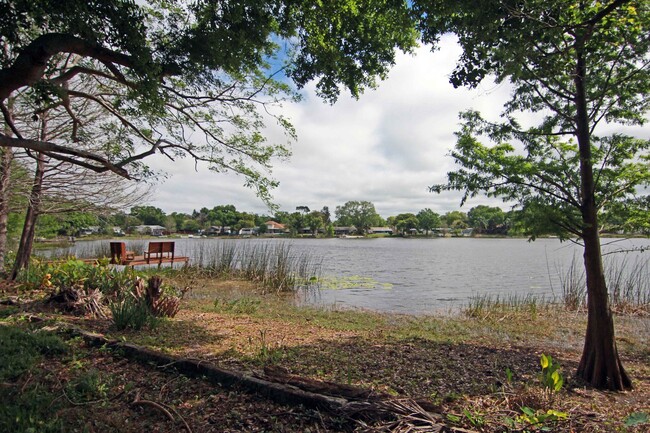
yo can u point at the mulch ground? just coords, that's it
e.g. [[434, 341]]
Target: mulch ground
[[465, 384]]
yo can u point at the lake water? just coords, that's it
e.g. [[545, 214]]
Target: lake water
[[419, 276]]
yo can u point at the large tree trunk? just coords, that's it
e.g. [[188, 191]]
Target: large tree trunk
[[29, 228], [600, 365], [33, 209]]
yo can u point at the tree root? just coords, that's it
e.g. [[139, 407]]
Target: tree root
[[167, 410]]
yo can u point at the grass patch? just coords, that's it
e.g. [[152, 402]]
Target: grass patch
[[26, 410], [21, 350]]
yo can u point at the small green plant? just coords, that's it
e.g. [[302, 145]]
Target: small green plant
[[131, 312], [88, 386], [237, 306], [265, 353], [551, 377], [509, 375], [474, 418], [536, 420]]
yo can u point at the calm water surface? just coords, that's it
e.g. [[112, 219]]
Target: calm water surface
[[429, 275]]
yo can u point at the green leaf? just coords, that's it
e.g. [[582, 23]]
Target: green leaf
[[545, 361], [528, 411]]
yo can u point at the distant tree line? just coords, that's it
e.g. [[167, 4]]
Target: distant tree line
[[623, 218]]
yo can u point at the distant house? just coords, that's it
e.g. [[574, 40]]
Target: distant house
[[218, 231], [248, 231], [340, 231], [381, 230], [274, 228], [92, 230], [153, 230]]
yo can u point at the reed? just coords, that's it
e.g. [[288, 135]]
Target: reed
[[273, 266], [485, 305], [628, 283]]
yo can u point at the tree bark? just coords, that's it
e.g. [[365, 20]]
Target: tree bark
[[33, 210], [600, 364]]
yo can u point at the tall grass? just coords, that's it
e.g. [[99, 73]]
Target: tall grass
[[628, 283], [273, 266], [483, 306], [83, 250]]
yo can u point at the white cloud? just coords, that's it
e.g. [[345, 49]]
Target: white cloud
[[387, 147]]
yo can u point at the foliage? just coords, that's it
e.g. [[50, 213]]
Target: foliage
[[551, 377], [244, 305], [405, 222], [541, 179], [88, 386], [428, 220], [142, 304], [487, 219], [129, 312], [164, 72], [149, 215], [30, 412], [538, 419], [72, 272], [360, 214]]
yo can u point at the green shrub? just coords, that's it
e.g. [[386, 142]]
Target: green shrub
[[131, 312]]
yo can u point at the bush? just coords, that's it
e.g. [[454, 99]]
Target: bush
[[131, 312]]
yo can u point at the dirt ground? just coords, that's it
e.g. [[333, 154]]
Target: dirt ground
[[479, 382]]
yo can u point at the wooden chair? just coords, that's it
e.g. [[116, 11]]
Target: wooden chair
[[119, 254]]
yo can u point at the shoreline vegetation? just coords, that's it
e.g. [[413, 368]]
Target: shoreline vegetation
[[480, 369]]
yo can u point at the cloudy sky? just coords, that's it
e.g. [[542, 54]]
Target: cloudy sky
[[386, 147]]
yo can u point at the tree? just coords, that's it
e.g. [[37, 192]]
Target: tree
[[405, 222], [455, 219], [61, 187], [297, 221], [577, 64], [314, 220], [165, 66], [428, 220], [149, 215], [185, 78], [360, 214], [486, 219]]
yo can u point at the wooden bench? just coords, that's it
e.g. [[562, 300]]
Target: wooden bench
[[157, 253]]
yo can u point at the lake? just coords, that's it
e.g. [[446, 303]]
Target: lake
[[419, 276]]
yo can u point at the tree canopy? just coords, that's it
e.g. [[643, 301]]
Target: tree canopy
[[360, 214], [187, 78]]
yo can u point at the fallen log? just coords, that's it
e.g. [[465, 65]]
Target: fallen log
[[353, 402]]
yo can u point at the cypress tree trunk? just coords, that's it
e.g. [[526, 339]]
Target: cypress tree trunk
[[600, 364]]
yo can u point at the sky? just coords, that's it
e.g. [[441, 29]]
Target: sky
[[387, 147]]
